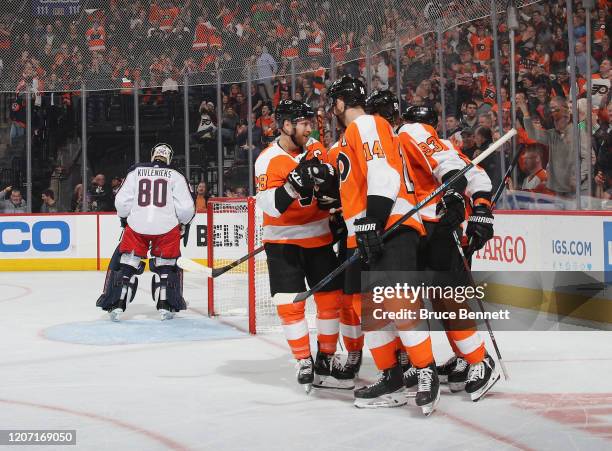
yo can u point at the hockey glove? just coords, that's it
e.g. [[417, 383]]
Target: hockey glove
[[123, 222], [452, 210], [480, 227], [299, 181], [369, 241], [327, 191]]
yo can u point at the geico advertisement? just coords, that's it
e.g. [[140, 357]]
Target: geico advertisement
[[37, 236]]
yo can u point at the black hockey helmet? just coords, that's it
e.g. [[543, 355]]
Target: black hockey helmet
[[421, 115], [162, 152], [351, 90], [293, 110], [384, 103]]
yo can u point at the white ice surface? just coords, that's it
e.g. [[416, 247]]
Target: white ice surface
[[216, 388]]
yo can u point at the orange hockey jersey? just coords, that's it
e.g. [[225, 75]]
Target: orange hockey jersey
[[303, 223], [431, 158], [369, 162]]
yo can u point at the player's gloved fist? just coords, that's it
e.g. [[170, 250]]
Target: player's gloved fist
[[480, 227], [369, 241], [323, 174], [123, 222], [452, 209], [299, 181]]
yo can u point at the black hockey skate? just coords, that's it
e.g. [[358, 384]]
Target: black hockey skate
[[305, 373], [428, 389], [387, 391], [446, 368], [482, 376], [353, 362], [458, 377], [410, 378], [329, 373]]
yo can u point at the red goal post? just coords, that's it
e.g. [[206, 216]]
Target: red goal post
[[234, 229]]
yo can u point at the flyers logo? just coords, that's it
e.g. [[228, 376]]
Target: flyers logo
[[599, 89], [344, 166]]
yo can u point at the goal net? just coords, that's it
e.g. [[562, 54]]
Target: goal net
[[234, 229]]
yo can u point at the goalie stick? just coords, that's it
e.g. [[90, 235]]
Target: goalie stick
[[192, 266], [288, 298]]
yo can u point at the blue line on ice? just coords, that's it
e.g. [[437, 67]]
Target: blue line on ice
[[104, 332]]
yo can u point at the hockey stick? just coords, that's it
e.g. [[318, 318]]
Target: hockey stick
[[504, 180], [468, 271], [288, 298], [189, 265]]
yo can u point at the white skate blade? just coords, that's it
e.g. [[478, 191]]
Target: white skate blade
[[456, 387], [479, 394], [428, 409], [307, 388], [165, 314], [115, 315], [395, 399], [330, 382]]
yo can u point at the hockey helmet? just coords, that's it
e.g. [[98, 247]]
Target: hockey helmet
[[384, 103], [162, 152], [421, 115], [351, 90], [293, 110]]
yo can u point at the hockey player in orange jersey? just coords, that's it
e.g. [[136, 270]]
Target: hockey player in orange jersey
[[298, 244], [375, 191], [433, 161]]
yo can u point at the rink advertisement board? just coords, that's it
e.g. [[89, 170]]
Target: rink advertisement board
[[532, 241]]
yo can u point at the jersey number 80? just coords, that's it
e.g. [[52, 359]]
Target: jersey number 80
[[157, 195]]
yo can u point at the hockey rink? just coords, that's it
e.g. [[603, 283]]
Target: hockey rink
[[195, 383]]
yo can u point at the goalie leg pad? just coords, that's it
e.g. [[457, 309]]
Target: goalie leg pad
[[167, 284], [119, 288]]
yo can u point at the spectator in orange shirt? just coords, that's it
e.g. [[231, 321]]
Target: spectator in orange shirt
[[531, 164], [267, 124], [201, 198]]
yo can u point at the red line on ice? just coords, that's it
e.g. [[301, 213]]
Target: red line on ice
[[165, 441], [22, 295]]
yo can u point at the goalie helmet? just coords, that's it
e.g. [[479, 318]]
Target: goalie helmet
[[162, 152], [351, 90], [292, 110], [421, 115], [384, 103]]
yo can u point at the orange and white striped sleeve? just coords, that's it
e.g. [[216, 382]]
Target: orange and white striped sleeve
[[274, 194]]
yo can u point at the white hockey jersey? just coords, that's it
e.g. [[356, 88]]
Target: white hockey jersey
[[154, 198]]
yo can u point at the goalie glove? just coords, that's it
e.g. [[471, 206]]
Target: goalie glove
[[369, 241], [452, 210], [480, 227]]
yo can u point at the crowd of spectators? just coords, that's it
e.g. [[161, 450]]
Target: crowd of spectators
[[157, 43]]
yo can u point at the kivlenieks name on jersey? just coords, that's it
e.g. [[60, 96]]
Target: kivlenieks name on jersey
[[154, 198]]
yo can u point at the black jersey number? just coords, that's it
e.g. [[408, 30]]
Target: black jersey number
[[157, 195]]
